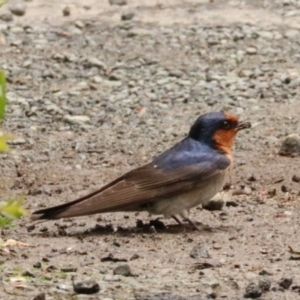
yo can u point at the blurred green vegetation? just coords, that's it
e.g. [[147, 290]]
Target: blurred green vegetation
[[11, 209], [2, 2]]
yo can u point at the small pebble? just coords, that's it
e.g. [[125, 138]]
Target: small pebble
[[251, 50], [64, 287], [296, 178], [66, 11], [123, 270], [285, 283], [86, 287], [68, 269], [27, 274], [208, 263], [127, 16], [214, 205], [253, 291], [40, 296], [265, 272], [76, 119], [290, 145], [264, 284], [6, 16], [249, 219], [37, 265], [18, 9], [232, 203], [18, 141], [199, 251], [284, 188], [117, 2]]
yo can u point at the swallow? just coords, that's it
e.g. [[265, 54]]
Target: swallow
[[185, 176]]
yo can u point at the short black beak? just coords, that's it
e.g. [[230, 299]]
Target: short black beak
[[243, 125]]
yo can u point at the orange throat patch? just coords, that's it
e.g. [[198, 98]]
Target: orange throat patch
[[224, 140]]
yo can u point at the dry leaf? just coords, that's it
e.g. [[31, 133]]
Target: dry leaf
[[292, 251], [12, 243], [17, 279]]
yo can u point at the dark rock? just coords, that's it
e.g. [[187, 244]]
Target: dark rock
[[123, 270], [296, 178], [214, 205], [117, 2], [51, 268], [134, 257], [140, 224], [253, 291], [157, 224], [223, 215], [86, 287], [212, 295], [110, 257], [28, 274], [30, 228], [18, 9], [208, 263], [285, 283], [45, 259], [284, 188], [251, 178], [265, 272], [232, 203], [117, 244], [40, 296], [68, 269], [272, 192], [66, 11], [296, 288], [37, 265], [127, 16], [44, 229]]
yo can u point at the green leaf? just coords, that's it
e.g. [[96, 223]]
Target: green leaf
[[11, 210], [2, 2], [2, 94], [3, 139]]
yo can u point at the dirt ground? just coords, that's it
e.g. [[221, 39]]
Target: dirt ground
[[137, 85]]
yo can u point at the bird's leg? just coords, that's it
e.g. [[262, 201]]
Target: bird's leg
[[177, 220], [185, 216], [192, 224]]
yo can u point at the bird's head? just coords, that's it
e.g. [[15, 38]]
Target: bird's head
[[217, 129]]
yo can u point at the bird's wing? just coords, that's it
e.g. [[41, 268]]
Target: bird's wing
[[147, 183]]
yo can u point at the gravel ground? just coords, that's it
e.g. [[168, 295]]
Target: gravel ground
[[97, 93]]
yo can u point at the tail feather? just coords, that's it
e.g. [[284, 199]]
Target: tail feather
[[74, 208], [57, 212], [67, 210]]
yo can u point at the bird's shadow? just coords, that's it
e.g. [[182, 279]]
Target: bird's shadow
[[168, 296], [152, 227]]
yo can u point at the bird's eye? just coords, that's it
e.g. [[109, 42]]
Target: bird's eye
[[226, 125]]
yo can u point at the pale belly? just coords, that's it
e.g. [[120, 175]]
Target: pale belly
[[182, 203]]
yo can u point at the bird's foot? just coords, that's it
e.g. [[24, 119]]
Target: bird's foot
[[191, 223], [178, 220]]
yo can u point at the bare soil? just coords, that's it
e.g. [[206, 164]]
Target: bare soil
[[174, 61]]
